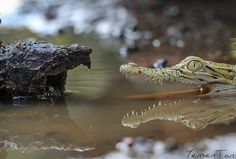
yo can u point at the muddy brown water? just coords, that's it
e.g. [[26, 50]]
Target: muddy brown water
[[89, 123]]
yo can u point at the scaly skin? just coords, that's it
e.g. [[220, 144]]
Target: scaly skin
[[214, 78], [38, 69], [196, 116]]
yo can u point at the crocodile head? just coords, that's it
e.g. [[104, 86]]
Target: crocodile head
[[208, 76]]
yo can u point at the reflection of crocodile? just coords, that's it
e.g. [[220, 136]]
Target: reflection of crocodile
[[38, 69], [212, 79], [195, 115]]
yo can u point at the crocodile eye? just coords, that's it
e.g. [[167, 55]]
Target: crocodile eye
[[194, 65]]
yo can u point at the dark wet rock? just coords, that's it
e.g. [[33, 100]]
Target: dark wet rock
[[38, 70], [148, 148], [193, 26], [51, 12], [135, 147], [127, 49], [160, 63], [171, 145]]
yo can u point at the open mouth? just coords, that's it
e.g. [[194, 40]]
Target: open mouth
[[203, 89], [185, 89], [201, 82]]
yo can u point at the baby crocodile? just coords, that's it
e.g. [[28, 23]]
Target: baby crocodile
[[38, 69], [210, 77]]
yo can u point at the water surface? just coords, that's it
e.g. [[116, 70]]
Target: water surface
[[89, 122]]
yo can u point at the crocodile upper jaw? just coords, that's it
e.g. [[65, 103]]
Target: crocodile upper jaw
[[209, 77]]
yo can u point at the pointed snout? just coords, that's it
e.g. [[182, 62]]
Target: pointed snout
[[79, 48], [80, 55]]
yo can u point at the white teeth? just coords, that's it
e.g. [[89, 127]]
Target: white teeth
[[142, 112]]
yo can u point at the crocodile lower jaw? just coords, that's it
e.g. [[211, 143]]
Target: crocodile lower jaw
[[184, 92]]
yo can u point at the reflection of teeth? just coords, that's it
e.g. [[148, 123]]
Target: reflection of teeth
[[137, 115]]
